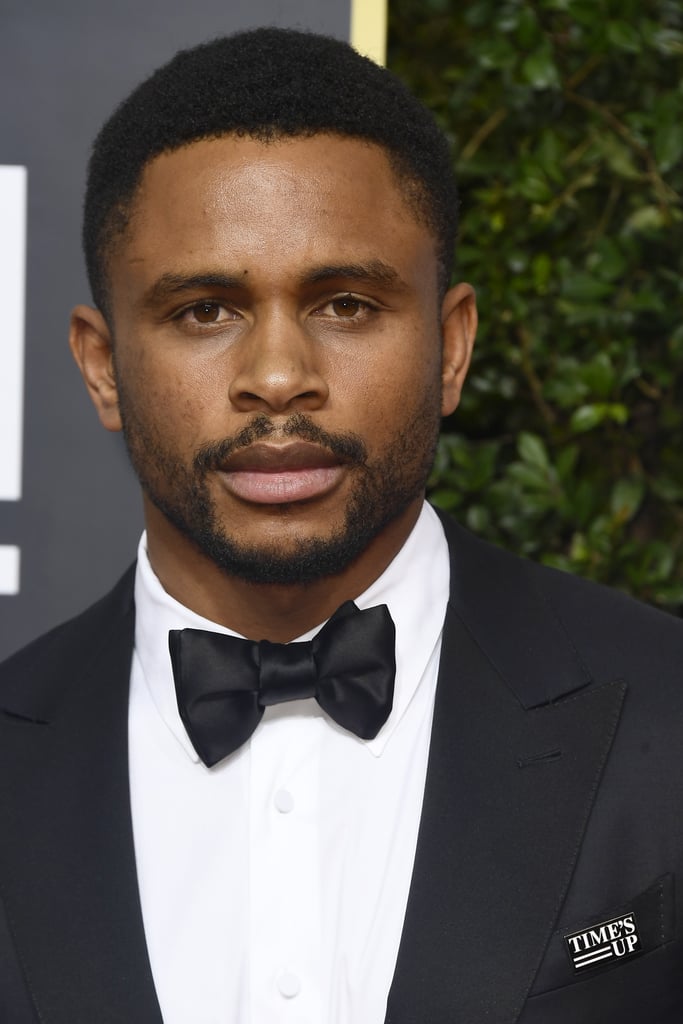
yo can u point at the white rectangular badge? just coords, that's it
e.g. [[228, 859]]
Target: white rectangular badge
[[12, 297]]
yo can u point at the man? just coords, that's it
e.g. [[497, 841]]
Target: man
[[491, 836]]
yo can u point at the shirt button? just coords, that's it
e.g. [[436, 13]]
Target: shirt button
[[288, 984], [284, 801]]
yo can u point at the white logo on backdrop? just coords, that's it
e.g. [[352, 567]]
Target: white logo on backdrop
[[12, 291]]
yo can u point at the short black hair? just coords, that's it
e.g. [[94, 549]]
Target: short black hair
[[265, 83]]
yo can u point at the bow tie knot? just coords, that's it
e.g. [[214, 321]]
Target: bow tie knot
[[286, 672], [224, 683]]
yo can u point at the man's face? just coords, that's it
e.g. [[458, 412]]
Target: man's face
[[277, 352]]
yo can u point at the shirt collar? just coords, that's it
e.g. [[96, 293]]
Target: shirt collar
[[420, 568]]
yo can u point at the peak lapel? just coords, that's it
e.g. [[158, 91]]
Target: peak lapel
[[508, 795], [77, 927]]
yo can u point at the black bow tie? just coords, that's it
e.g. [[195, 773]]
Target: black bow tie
[[224, 683]]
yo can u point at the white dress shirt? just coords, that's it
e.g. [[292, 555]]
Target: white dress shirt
[[274, 885]]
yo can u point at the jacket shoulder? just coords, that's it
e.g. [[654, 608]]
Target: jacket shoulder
[[35, 676]]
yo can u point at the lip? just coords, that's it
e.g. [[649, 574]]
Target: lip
[[266, 474], [272, 458]]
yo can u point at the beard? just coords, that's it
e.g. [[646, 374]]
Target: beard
[[383, 488]]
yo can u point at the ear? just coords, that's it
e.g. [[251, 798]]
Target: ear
[[91, 346], [459, 328]]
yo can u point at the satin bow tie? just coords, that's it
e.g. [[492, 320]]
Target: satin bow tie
[[224, 683]]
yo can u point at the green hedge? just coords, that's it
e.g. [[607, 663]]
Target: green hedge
[[566, 121]]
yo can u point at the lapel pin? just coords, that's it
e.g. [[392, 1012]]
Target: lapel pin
[[604, 943]]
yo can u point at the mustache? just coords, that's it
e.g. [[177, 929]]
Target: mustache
[[348, 447]]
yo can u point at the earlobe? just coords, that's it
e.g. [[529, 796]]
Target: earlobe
[[91, 346], [459, 328]]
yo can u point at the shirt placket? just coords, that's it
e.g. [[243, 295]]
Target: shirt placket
[[285, 877]]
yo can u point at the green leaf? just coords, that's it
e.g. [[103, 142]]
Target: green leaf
[[607, 260], [579, 550], [599, 375], [566, 387], [676, 342], [660, 560], [668, 41], [447, 500], [495, 53], [626, 498], [671, 595], [668, 145], [530, 477], [540, 71], [541, 272], [528, 28], [549, 154], [477, 14], [532, 450], [478, 518], [618, 156], [623, 36], [566, 461], [585, 12], [586, 417], [531, 182], [580, 285], [617, 412], [668, 489], [646, 219]]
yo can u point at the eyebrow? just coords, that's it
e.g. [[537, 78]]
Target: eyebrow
[[172, 284], [374, 272]]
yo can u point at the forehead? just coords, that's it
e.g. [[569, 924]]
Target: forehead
[[283, 201]]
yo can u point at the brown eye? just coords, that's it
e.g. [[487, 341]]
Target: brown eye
[[346, 306], [206, 312]]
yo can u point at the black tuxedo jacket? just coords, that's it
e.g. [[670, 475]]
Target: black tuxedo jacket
[[553, 808]]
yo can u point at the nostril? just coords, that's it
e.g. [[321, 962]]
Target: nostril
[[270, 384]]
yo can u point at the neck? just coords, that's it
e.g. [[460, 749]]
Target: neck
[[275, 612]]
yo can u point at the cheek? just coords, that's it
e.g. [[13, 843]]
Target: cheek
[[409, 374], [395, 364], [382, 402], [178, 398]]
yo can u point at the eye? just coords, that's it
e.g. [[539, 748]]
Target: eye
[[346, 306], [205, 312]]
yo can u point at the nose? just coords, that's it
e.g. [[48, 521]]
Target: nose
[[279, 368]]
